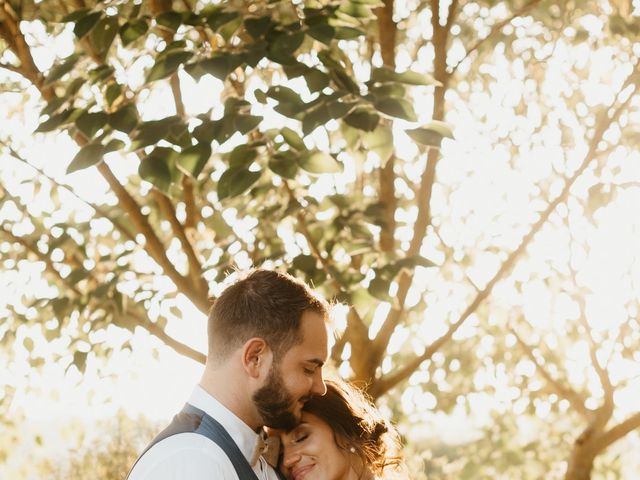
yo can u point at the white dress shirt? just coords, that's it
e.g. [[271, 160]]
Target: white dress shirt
[[194, 457]]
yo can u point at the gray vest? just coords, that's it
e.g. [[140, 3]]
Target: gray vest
[[194, 420]]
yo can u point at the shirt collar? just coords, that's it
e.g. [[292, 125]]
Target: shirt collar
[[247, 440]]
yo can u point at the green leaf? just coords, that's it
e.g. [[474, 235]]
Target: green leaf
[[86, 23], [235, 181], [396, 107], [295, 70], [89, 155], [362, 119], [305, 263], [431, 134], [254, 53], [74, 86], [319, 162], [385, 90], [156, 168], [77, 275], [229, 29], [132, 30], [54, 121], [260, 95], [348, 33], [284, 164], [220, 66], [281, 50], [219, 226], [412, 262], [316, 80], [206, 131], [257, 27], [153, 131], [218, 19], [355, 10], [113, 91], [293, 139], [89, 123], [80, 360], [167, 64], [316, 117], [171, 20], [100, 73], [193, 159], [60, 70], [125, 119], [75, 15], [114, 145], [28, 344], [103, 34], [323, 33], [60, 306], [339, 109], [235, 105], [379, 141], [242, 156], [379, 288], [409, 77], [179, 135], [53, 106], [286, 95], [245, 123]]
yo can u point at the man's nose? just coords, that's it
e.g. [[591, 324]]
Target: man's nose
[[318, 388]]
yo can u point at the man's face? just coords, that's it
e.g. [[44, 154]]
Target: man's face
[[296, 377]]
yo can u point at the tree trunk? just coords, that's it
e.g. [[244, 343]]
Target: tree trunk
[[581, 462]]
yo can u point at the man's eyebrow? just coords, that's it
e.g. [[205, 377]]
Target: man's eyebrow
[[317, 361]]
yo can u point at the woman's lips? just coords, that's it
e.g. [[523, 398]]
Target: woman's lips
[[301, 472]]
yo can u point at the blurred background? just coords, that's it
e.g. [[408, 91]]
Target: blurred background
[[462, 179]]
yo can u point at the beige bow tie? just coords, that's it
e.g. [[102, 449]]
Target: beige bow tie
[[268, 447]]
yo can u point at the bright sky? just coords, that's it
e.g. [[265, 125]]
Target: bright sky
[[484, 186]]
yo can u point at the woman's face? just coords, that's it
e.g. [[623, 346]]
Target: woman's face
[[310, 452]]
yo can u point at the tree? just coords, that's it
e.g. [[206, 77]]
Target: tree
[[341, 183]]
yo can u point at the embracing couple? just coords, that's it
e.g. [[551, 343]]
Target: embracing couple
[[268, 342]]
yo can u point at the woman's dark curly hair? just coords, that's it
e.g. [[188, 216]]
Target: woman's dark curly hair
[[358, 427]]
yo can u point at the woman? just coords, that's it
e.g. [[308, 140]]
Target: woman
[[341, 437]]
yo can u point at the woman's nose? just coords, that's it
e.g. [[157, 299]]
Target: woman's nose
[[290, 458]]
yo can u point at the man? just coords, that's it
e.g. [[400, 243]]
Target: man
[[267, 345]]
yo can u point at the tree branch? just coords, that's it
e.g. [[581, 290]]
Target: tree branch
[[10, 67], [11, 33], [99, 210], [195, 267], [453, 10], [356, 329], [427, 180], [154, 246], [386, 175], [168, 340], [617, 432], [603, 375], [602, 126], [572, 396], [495, 29], [41, 256]]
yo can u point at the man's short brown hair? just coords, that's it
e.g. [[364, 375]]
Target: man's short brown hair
[[261, 303]]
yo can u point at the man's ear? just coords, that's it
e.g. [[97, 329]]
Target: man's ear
[[256, 357]]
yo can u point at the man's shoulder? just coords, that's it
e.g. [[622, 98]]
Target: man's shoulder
[[183, 455]]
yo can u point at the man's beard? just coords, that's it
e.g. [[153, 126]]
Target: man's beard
[[274, 403]]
